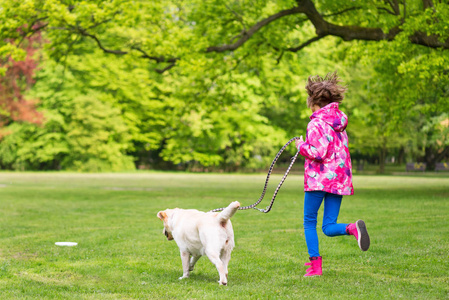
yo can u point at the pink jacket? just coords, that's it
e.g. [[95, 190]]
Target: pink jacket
[[328, 163]]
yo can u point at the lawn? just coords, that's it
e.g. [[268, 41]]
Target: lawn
[[122, 253]]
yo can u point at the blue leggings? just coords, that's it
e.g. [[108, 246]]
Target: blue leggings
[[312, 202]]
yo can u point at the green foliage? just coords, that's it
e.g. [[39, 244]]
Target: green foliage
[[139, 74], [81, 131], [31, 147], [97, 137], [402, 90]]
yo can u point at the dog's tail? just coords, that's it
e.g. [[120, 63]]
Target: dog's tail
[[228, 212]]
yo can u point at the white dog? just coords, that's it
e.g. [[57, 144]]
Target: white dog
[[198, 233]]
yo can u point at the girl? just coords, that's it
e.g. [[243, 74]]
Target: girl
[[328, 173]]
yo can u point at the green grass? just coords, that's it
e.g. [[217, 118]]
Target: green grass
[[122, 253]]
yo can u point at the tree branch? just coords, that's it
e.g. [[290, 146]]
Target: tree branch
[[239, 17], [405, 10], [387, 10], [432, 41], [394, 6], [160, 71], [348, 33], [158, 59], [305, 44], [85, 33], [323, 28], [343, 11], [248, 34], [427, 4]]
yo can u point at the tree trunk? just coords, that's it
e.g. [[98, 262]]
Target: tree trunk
[[382, 156], [432, 156], [401, 156]]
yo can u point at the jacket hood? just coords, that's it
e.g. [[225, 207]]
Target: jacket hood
[[332, 116]]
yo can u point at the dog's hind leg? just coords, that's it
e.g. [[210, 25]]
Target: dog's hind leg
[[215, 259], [185, 257], [193, 261]]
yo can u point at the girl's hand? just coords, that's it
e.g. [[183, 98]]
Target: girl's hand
[[298, 142]]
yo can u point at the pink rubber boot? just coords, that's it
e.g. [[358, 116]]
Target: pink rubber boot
[[310, 266], [315, 267], [358, 230]]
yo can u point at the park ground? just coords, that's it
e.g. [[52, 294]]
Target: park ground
[[122, 253]]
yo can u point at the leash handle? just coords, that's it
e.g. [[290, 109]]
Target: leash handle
[[268, 208]]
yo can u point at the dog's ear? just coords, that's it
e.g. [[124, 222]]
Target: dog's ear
[[162, 215]]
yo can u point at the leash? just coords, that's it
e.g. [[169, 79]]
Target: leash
[[268, 208]]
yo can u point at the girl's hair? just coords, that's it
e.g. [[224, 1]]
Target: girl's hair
[[323, 91]]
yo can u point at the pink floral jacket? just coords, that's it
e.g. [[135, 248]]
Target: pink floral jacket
[[328, 163]]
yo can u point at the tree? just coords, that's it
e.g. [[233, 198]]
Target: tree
[[168, 32], [16, 79], [81, 131]]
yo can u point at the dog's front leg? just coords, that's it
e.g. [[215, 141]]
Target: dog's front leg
[[185, 258]]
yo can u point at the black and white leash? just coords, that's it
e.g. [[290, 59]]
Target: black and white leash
[[268, 208]]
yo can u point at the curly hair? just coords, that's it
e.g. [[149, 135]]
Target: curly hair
[[323, 91]]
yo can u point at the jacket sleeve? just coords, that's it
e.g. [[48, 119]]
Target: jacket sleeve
[[316, 144]]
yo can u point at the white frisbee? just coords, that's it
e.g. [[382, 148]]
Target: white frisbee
[[69, 244]]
